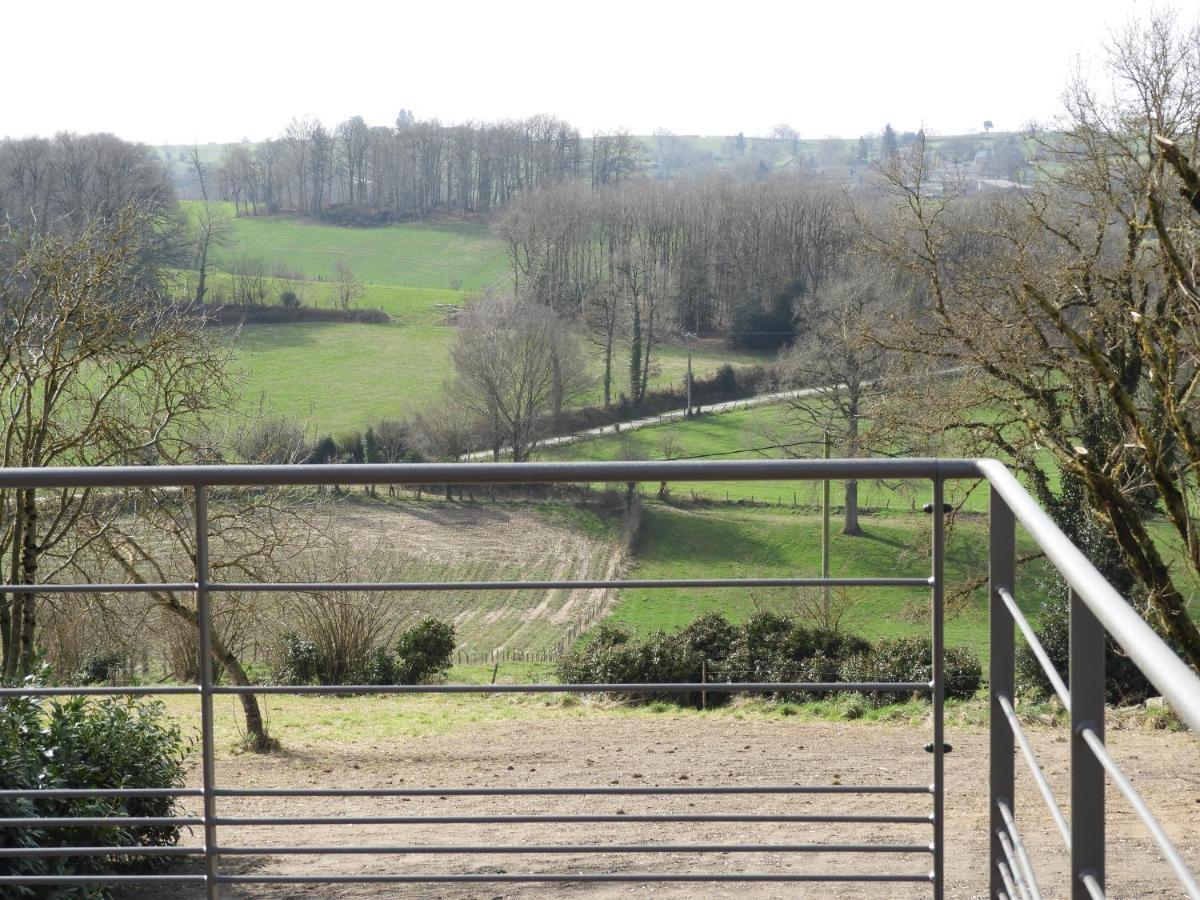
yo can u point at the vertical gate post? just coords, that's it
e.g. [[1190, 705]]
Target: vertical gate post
[[1087, 686], [939, 689], [1001, 575], [208, 763]]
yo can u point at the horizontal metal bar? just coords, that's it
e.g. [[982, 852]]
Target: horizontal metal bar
[[424, 586], [1031, 638], [140, 690], [1039, 777], [137, 850], [130, 588], [1174, 679], [101, 879], [1014, 834], [72, 793], [572, 791], [489, 473], [97, 821], [748, 818], [319, 586], [712, 687], [567, 878], [1169, 851], [546, 849]]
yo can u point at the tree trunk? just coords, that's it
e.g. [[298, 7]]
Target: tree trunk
[[608, 355], [256, 730], [850, 525], [29, 565]]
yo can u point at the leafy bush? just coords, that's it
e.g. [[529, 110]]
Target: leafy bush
[[380, 667], [300, 660], [100, 666], [768, 647], [424, 651], [289, 299], [712, 636], [911, 659], [1125, 683], [110, 743]]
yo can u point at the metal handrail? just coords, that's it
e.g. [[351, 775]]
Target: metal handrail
[[1096, 608]]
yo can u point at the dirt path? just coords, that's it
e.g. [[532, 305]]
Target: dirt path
[[694, 750]]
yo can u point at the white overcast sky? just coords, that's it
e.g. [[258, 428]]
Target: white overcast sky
[[175, 72]]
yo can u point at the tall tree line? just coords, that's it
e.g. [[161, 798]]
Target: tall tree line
[[414, 167], [62, 184], [640, 260]]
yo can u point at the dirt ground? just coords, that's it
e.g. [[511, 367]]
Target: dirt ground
[[699, 751]]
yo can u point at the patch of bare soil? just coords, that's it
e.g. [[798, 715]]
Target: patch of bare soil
[[675, 750], [494, 542]]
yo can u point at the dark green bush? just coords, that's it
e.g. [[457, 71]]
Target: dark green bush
[[100, 666], [109, 743], [911, 659], [289, 299], [758, 653], [300, 660], [380, 667], [768, 647], [712, 636], [424, 651], [1125, 682]]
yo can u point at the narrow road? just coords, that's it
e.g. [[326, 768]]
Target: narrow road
[[728, 406], [672, 416]]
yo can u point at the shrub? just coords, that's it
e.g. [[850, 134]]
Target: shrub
[[1125, 682], [289, 299], [424, 651], [711, 636], [100, 666], [110, 743], [277, 440], [300, 660], [911, 659], [758, 652], [380, 667], [768, 647]]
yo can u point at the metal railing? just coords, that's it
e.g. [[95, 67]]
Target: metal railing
[[1095, 608]]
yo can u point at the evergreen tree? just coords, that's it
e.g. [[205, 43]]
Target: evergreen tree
[[891, 148]]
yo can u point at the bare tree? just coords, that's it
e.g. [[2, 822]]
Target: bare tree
[[349, 289], [212, 227], [514, 364], [96, 369], [1076, 304], [839, 363]]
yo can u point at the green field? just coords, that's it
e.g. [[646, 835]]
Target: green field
[[335, 376], [453, 253], [739, 528], [750, 434], [338, 376], [733, 542]]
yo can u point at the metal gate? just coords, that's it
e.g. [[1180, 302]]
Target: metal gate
[[1095, 608]]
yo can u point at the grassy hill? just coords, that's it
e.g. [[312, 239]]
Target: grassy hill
[[337, 376], [458, 254], [732, 542], [740, 528]]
